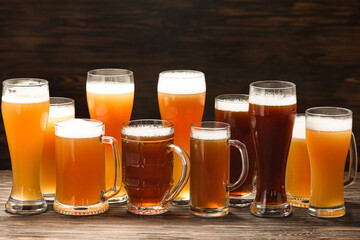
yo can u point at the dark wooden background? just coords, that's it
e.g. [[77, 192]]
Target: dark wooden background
[[315, 44]]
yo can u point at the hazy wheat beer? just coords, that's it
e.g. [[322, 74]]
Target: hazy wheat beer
[[61, 109], [233, 109], [147, 162], [110, 97], [272, 110], [25, 109], [181, 96], [297, 181], [328, 137]]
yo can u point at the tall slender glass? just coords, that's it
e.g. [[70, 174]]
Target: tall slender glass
[[110, 97], [272, 110], [61, 109], [25, 111], [181, 96], [234, 110], [328, 138]]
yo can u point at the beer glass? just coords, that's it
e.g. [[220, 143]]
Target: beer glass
[[234, 110], [25, 110], [80, 167], [61, 109], [181, 96], [110, 97], [272, 110], [297, 178], [210, 167], [147, 160], [328, 138]]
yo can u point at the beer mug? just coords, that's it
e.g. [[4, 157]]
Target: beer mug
[[328, 138], [210, 168], [25, 111], [61, 109], [80, 167], [147, 160]]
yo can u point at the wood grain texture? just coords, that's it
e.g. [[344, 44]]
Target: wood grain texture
[[178, 223], [315, 44]]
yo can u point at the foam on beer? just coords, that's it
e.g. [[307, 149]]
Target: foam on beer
[[147, 131], [328, 124], [210, 135], [78, 128], [59, 111], [109, 87], [272, 99], [181, 82], [27, 94], [299, 128], [232, 105]]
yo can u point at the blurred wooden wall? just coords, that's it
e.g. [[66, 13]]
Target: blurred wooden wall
[[315, 44]]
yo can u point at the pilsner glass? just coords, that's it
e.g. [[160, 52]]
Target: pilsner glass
[[80, 167], [147, 160], [25, 110], [181, 96], [234, 110], [328, 137], [297, 179], [210, 168], [61, 109], [272, 110], [110, 97]]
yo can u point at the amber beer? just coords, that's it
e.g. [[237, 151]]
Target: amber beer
[[181, 96], [234, 110], [110, 97], [272, 110]]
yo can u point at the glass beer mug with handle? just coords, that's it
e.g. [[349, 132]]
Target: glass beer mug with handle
[[329, 139], [80, 167], [25, 111], [147, 160]]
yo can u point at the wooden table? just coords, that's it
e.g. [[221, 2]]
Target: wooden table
[[178, 223]]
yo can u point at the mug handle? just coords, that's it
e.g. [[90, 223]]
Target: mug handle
[[184, 174], [105, 195], [353, 164], [245, 163]]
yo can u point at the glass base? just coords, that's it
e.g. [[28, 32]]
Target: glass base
[[261, 210], [209, 212], [298, 201], [94, 209], [121, 200], [49, 197], [156, 210], [242, 201], [182, 202], [25, 207], [333, 212]]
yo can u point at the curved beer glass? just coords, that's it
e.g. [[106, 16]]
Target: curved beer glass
[[25, 111], [181, 96], [110, 97], [329, 138], [234, 110], [272, 110]]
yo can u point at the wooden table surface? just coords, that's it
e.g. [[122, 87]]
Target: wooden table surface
[[178, 223]]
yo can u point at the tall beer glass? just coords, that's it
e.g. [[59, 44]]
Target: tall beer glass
[[181, 96], [328, 137], [61, 109], [80, 167], [272, 110], [25, 110], [234, 110], [110, 97], [297, 179]]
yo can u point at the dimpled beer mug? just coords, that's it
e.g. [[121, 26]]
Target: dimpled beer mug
[[328, 138], [25, 110], [80, 167], [147, 160], [110, 97], [272, 110], [181, 96], [234, 110], [61, 109], [210, 168]]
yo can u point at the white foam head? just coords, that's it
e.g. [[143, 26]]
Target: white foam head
[[232, 105], [59, 111], [147, 130], [210, 134], [181, 82], [79, 128], [299, 127], [109, 87], [25, 91], [328, 124], [267, 99]]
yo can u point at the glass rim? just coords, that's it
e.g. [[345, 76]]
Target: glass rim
[[226, 97], [168, 123], [197, 126], [197, 74], [291, 85], [67, 101], [121, 72], [347, 112], [99, 123], [38, 82]]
